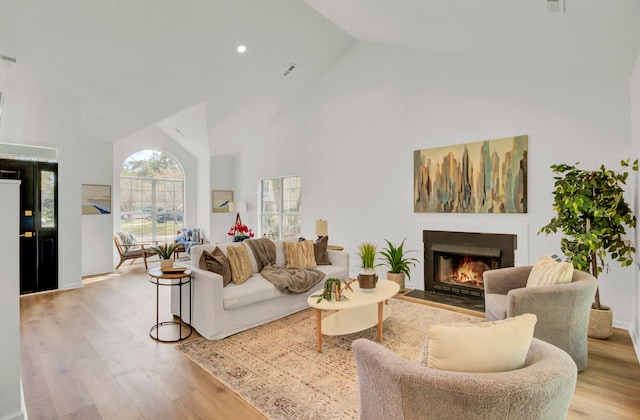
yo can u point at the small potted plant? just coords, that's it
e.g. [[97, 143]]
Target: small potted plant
[[368, 277], [398, 261], [165, 251]]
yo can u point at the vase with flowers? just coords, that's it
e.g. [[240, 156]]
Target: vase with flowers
[[240, 231]]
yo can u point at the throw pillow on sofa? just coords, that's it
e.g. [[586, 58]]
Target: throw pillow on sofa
[[240, 263], [547, 272], [216, 262], [320, 250], [300, 254], [497, 346]]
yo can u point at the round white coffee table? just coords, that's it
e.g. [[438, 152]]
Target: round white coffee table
[[355, 314]]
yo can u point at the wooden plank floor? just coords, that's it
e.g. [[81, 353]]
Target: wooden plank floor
[[86, 354]]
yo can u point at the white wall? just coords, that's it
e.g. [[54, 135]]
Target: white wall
[[97, 229], [635, 153], [10, 400], [222, 178], [352, 135]]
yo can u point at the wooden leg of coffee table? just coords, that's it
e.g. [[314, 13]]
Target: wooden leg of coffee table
[[319, 329], [380, 310]]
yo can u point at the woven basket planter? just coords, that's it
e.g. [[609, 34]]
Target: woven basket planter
[[601, 323], [397, 278]]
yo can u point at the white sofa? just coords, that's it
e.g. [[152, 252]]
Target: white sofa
[[219, 312]]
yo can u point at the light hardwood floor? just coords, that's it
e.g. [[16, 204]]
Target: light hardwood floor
[[86, 354]]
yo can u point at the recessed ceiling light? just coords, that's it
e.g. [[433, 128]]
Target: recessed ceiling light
[[241, 49]]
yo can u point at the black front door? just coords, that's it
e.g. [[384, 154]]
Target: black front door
[[38, 222]]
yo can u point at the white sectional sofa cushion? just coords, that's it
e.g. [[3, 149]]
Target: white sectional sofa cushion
[[218, 311]]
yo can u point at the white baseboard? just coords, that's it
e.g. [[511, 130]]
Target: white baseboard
[[633, 334], [635, 339], [18, 415]]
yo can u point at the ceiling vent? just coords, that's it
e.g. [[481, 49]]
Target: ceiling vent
[[7, 58], [555, 6], [290, 69]]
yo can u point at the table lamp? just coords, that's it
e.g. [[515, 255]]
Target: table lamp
[[322, 228]]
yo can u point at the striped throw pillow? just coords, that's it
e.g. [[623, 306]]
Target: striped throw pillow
[[240, 263], [300, 254]]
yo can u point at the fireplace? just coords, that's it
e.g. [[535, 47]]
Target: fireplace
[[454, 261]]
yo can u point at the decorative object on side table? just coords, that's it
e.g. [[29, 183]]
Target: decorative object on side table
[[368, 277], [239, 231], [395, 257], [165, 251], [347, 285], [332, 291], [592, 213]]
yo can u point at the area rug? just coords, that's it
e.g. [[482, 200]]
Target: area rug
[[277, 368]]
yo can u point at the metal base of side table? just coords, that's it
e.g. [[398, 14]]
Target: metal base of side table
[[183, 326], [169, 279]]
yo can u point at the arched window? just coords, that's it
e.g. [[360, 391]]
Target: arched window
[[151, 196]]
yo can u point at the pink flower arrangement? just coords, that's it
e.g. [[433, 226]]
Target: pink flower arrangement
[[240, 230]]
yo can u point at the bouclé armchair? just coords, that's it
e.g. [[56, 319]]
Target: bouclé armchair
[[392, 387], [562, 310]]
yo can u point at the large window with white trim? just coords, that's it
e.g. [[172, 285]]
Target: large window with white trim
[[151, 196], [280, 207]]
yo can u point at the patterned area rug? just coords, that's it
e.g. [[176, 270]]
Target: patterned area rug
[[277, 368]]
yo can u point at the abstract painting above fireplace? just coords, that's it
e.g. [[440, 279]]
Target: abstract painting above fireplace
[[454, 261], [482, 177]]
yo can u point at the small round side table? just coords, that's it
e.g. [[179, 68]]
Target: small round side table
[[175, 279]]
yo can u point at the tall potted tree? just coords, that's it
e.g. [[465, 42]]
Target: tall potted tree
[[398, 262], [592, 215]]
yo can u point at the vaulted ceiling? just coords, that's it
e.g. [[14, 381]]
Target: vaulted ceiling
[[132, 64]]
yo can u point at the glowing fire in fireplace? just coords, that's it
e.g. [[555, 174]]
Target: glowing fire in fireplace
[[465, 270]]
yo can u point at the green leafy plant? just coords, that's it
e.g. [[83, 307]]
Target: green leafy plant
[[165, 251], [368, 254], [592, 215], [396, 258], [330, 285]]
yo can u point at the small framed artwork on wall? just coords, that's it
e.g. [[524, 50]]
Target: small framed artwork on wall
[[220, 200], [96, 199]]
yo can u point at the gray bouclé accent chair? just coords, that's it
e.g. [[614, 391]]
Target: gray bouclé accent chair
[[392, 387], [562, 310]]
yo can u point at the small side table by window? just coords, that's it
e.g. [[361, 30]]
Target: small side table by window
[[178, 280]]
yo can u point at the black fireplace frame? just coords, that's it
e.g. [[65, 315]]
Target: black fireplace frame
[[501, 245]]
